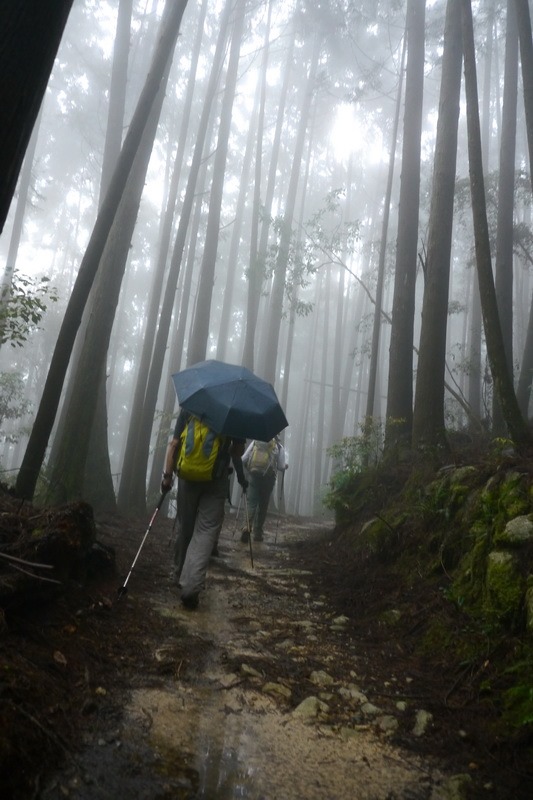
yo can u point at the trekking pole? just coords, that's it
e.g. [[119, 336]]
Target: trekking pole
[[280, 496], [123, 589], [237, 514], [248, 528]]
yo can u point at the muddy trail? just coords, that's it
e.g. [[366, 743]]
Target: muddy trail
[[266, 691]]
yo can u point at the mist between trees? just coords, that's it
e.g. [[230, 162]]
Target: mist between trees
[[337, 195]]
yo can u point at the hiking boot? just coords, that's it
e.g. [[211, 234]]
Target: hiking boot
[[190, 602], [215, 551], [258, 537], [245, 535]]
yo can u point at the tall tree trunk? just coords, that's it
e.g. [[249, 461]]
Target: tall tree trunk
[[258, 246], [506, 188], [428, 417], [132, 500], [98, 447], [474, 339], [68, 476], [197, 348], [377, 322], [35, 451], [324, 342], [30, 34], [233, 254], [128, 461], [400, 382], [526, 57], [117, 94], [270, 346], [176, 356], [495, 347]]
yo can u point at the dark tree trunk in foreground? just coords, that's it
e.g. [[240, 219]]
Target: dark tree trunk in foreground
[[30, 33], [400, 382], [503, 385], [428, 417], [46, 414], [506, 183]]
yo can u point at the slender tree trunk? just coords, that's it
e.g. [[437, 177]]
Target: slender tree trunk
[[400, 382], [197, 348], [134, 501], [35, 451], [495, 347], [68, 476], [506, 187], [228, 304], [526, 57], [474, 345], [270, 347], [428, 418], [373, 368], [128, 461], [324, 342], [258, 249], [117, 94]]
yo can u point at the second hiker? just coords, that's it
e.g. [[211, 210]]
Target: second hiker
[[263, 461]]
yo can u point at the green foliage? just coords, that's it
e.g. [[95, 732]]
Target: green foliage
[[355, 478], [12, 402], [22, 307], [354, 453]]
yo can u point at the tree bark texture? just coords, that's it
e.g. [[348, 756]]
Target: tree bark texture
[[495, 347], [46, 414], [400, 396], [428, 417]]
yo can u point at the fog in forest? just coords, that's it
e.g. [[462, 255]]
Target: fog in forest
[[299, 201]]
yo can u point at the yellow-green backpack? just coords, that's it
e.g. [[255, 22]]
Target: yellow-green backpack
[[203, 454]]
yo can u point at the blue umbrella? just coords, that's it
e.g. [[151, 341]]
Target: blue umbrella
[[230, 399]]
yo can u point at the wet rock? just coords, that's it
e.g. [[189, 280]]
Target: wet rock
[[342, 620], [370, 709], [321, 678], [422, 721], [387, 723], [246, 669], [354, 694], [518, 531], [310, 707], [277, 689], [455, 788]]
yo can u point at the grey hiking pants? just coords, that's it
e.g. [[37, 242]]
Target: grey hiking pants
[[259, 491], [200, 517]]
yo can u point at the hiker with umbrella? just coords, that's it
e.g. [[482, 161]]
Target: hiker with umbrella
[[221, 406]]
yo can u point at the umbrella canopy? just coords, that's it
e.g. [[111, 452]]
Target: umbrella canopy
[[230, 399]]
